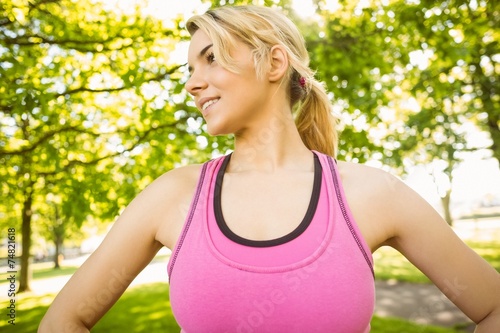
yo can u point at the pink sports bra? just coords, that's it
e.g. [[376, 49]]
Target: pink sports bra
[[318, 278]]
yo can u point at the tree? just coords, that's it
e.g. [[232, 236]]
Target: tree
[[54, 224], [441, 149], [467, 41], [406, 77], [90, 108], [443, 85]]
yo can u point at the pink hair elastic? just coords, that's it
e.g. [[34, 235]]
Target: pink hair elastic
[[302, 81]]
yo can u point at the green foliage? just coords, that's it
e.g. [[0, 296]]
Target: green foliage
[[393, 105], [90, 110], [411, 80]]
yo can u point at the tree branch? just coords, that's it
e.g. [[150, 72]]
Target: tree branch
[[35, 5], [141, 139], [40, 140], [158, 77]]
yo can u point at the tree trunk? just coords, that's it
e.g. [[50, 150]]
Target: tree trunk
[[445, 201], [24, 280], [58, 233], [493, 121], [489, 88], [58, 242]]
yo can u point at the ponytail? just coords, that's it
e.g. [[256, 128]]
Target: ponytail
[[315, 122]]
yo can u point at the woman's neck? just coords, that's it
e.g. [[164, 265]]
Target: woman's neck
[[272, 145]]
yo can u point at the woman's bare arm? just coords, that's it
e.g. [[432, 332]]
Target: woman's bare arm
[[129, 246], [393, 214]]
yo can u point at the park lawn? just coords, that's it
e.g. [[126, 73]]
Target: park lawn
[[490, 251], [146, 308], [49, 272], [391, 265]]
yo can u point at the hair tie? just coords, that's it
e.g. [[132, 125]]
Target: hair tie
[[302, 82]]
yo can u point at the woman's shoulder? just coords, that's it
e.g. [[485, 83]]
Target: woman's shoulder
[[373, 195], [181, 176], [169, 188], [175, 183], [167, 201], [371, 178]]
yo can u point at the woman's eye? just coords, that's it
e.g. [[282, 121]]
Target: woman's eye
[[210, 57]]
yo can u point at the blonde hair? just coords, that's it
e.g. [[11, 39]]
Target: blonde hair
[[261, 28]]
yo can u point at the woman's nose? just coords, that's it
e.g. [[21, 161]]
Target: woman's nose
[[195, 83]]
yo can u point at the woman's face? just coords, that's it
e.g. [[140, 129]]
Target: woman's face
[[228, 101]]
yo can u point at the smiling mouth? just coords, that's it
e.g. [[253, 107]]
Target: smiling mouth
[[208, 103]]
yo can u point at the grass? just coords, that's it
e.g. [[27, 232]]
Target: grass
[[490, 251], [391, 265], [146, 309], [396, 325], [49, 272]]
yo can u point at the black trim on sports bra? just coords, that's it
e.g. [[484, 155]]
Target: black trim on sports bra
[[306, 221], [343, 208]]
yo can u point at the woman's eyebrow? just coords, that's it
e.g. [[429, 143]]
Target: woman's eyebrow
[[201, 54]]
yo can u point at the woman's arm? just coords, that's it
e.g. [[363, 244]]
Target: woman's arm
[[391, 213], [129, 246], [422, 236]]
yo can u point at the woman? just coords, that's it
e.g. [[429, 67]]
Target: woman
[[279, 235]]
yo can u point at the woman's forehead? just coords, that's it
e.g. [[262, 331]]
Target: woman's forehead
[[199, 40], [199, 45]]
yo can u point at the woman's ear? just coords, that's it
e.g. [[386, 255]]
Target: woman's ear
[[279, 63]]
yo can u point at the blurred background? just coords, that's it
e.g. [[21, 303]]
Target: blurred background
[[92, 108]]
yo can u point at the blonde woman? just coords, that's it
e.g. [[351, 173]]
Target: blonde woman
[[279, 235]]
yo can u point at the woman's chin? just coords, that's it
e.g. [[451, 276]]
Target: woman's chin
[[218, 130]]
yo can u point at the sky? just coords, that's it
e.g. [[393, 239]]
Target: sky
[[476, 179]]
